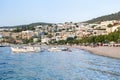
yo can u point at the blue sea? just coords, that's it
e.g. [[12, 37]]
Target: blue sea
[[75, 65]]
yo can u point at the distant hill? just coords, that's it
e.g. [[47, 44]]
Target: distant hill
[[115, 16], [40, 23], [32, 24]]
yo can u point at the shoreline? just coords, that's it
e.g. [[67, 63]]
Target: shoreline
[[113, 52]]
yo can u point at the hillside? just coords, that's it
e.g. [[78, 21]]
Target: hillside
[[32, 24], [39, 23], [115, 16]]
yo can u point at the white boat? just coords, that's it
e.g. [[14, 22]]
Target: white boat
[[25, 49], [58, 49]]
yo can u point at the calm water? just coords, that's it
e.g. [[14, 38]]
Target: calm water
[[75, 65]]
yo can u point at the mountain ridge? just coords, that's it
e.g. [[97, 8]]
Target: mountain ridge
[[31, 24], [113, 16]]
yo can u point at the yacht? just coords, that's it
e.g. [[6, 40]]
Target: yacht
[[58, 49], [25, 49]]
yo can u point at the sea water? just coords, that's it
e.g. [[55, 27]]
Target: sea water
[[75, 65]]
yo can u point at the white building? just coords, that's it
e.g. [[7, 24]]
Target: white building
[[0, 36], [108, 22], [112, 29], [27, 34], [45, 40], [7, 28]]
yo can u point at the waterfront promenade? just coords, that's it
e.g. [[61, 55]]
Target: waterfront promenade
[[113, 52]]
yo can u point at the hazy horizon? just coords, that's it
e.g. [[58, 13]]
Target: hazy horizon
[[14, 12]]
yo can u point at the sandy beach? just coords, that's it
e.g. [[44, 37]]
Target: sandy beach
[[113, 52]]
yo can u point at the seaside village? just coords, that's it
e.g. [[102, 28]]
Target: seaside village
[[49, 34]]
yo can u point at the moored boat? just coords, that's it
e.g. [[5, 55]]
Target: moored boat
[[26, 49], [58, 49], [1, 45]]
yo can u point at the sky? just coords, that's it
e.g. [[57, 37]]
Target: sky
[[18, 12]]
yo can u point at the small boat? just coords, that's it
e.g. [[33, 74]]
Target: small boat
[[1, 45], [58, 49], [25, 49]]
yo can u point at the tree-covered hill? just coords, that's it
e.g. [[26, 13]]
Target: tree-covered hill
[[39, 23], [115, 16], [32, 24]]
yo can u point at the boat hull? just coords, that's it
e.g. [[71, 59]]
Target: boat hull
[[57, 49], [26, 49]]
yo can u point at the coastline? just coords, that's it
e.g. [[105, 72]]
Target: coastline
[[113, 52]]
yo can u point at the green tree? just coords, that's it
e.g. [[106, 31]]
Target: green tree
[[17, 29], [31, 28], [109, 25], [61, 42], [99, 38], [70, 38], [49, 35]]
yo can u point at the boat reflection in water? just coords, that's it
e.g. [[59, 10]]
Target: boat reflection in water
[[26, 49]]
